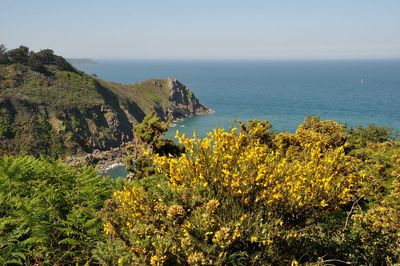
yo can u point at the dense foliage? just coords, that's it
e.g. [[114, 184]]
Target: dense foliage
[[49, 213], [149, 139], [320, 196], [38, 61], [249, 197]]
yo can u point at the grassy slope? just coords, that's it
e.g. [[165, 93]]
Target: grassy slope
[[147, 94], [64, 89], [65, 112]]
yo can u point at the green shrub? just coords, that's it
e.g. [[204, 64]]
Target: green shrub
[[6, 127], [49, 213], [360, 137]]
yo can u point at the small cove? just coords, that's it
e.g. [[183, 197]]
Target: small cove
[[114, 171]]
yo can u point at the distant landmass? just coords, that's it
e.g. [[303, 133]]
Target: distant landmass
[[81, 61], [47, 106]]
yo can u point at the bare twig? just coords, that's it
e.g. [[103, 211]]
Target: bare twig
[[335, 260], [351, 211]]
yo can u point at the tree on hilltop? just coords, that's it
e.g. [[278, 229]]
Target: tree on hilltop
[[3, 54], [37, 61], [19, 55]]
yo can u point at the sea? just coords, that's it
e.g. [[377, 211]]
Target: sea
[[352, 92]]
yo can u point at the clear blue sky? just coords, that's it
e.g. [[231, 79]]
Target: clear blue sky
[[206, 29]]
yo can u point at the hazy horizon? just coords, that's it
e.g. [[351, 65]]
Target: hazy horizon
[[322, 59], [206, 30]]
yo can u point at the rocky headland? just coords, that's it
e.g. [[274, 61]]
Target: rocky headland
[[48, 107]]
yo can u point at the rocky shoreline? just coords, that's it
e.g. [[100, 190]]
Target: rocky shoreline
[[182, 104], [100, 159]]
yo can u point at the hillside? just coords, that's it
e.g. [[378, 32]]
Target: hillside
[[81, 61], [49, 107]]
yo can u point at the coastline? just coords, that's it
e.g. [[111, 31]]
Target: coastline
[[108, 159], [101, 160]]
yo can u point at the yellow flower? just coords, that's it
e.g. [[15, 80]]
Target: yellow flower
[[236, 234], [305, 174], [212, 205], [175, 211], [222, 236], [157, 260], [253, 239], [108, 228], [323, 203], [196, 258]]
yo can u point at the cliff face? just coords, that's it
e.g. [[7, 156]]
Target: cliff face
[[37, 129], [64, 112], [182, 102]]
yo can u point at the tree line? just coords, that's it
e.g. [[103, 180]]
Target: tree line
[[37, 61]]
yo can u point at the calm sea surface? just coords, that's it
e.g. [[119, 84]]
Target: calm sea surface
[[284, 92]]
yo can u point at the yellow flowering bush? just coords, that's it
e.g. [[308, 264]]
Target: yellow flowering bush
[[376, 229], [311, 176], [251, 197], [379, 226]]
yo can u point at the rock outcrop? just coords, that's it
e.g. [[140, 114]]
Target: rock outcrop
[[182, 102], [62, 111]]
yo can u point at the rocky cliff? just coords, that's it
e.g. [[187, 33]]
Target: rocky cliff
[[182, 102], [61, 111]]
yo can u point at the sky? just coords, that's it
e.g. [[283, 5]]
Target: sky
[[206, 29]]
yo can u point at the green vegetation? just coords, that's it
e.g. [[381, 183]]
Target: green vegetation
[[82, 113], [146, 93], [320, 196], [49, 213], [6, 128], [149, 136]]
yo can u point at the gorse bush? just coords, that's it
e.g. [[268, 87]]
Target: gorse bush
[[249, 197], [313, 178]]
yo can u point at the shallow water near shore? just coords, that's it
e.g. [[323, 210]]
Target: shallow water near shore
[[114, 171]]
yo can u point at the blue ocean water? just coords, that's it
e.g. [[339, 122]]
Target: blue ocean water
[[284, 92]]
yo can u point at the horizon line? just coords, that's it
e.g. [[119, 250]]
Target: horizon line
[[239, 59]]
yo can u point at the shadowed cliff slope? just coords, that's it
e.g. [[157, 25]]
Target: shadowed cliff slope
[[49, 107]]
